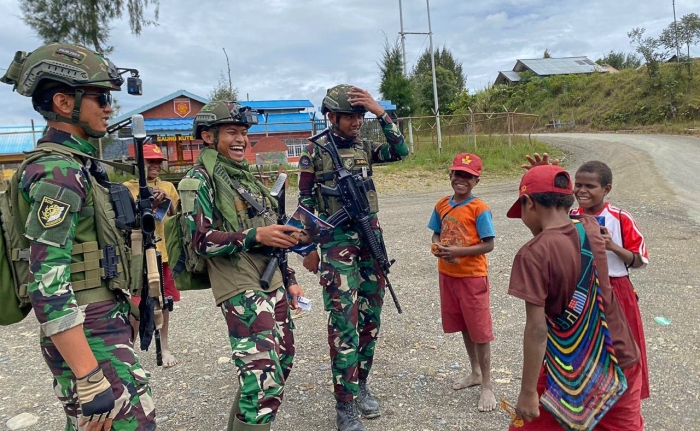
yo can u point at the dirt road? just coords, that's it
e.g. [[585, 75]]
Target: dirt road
[[415, 362]]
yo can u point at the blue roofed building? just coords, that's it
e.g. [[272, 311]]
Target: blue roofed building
[[169, 119], [14, 141]]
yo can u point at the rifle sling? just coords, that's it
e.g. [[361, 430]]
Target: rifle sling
[[250, 199]]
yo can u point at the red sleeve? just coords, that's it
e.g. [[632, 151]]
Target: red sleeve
[[528, 281], [632, 238]]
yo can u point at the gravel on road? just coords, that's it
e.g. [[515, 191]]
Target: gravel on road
[[415, 362]]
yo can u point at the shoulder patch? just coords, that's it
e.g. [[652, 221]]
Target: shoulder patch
[[52, 212], [304, 161]]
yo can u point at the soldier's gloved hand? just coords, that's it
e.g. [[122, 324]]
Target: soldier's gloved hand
[[96, 400], [311, 261]]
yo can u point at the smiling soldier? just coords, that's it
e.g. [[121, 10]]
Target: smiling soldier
[[236, 240], [353, 292]]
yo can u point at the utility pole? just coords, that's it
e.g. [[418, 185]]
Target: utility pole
[[432, 64], [675, 31], [405, 73], [228, 65], [435, 95]]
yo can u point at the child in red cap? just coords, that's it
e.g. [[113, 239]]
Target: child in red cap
[[462, 235], [162, 191], [591, 375]]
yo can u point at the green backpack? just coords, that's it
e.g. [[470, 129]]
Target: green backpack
[[14, 257], [14, 246], [189, 269]]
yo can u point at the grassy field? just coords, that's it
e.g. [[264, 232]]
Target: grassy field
[[500, 158], [629, 100]]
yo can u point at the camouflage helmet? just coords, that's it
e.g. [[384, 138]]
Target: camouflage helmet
[[72, 65], [218, 112], [336, 100]]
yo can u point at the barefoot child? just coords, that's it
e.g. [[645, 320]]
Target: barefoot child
[[624, 244], [572, 318], [162, 191], [462, 235]]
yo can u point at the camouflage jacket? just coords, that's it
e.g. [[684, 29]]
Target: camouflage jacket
[[56, 188], [394, 149]]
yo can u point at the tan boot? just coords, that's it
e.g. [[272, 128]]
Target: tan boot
[[242, 426]]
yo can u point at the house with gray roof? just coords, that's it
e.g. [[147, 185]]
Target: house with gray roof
[[543, 67]]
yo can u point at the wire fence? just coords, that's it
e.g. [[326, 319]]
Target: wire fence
[[470, 128]]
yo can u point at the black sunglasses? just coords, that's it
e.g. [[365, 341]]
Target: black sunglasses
[[103, 99]]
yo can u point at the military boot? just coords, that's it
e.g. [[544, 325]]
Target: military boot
[[346, 417], [234, 411], [366, 403], [242, 426]]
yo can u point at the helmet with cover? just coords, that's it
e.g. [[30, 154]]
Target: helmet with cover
[[336, 101], [217, 113], [61, 66]]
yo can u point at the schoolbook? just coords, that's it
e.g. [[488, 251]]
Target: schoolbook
[[312, 229]]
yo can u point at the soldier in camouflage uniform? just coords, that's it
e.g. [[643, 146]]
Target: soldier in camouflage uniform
[[236, 242], [352, 291], [85, 335]]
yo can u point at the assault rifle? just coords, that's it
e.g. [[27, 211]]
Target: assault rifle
[[351, 191], [279, 255], [153, 300]]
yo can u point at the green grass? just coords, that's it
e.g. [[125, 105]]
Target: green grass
[[500, 158], [628, 100]]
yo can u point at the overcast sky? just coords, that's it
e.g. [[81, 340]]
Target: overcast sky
[[296, 49]]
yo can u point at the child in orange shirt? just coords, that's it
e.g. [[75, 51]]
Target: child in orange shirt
[[462, 235]]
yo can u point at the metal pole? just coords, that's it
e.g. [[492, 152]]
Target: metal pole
[[675, 31], [33, 133], [405, 73], [435, 94]]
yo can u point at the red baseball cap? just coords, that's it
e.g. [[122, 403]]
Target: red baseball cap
[[539, 179], [153, 152], [468, 163]]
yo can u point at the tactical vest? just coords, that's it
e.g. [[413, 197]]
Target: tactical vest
[[232, 274], [93, 277], [356, 159]]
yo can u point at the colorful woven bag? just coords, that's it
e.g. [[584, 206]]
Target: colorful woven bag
[[584, 379]]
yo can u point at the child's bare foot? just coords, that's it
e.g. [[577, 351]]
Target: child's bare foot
[[168, 359], [487, 401], [467, 381]]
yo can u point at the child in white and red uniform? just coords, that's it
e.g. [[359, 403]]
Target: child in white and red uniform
[[624, 243]]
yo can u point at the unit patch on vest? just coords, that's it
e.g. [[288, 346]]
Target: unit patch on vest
[[52, 212], [304, 161]]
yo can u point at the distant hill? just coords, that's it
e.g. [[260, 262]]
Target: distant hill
[[601, 101]]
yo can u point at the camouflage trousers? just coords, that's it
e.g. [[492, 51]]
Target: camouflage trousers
[[353, 294], [260, 331], [110, 337]]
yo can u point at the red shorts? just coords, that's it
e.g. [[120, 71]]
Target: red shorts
[[628, 301], [625, 415], [168, 286], [465, 306]]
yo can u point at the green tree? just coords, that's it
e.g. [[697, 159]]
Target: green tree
[[620, 60], [85, 22], [449, 76], [224, 90], [395, 86], [689, 31], [546, 54], [651, 49]]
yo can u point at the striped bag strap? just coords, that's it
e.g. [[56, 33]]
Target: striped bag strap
[[584, 379]]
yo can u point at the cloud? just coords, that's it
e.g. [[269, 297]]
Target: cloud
[[295, 49]]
